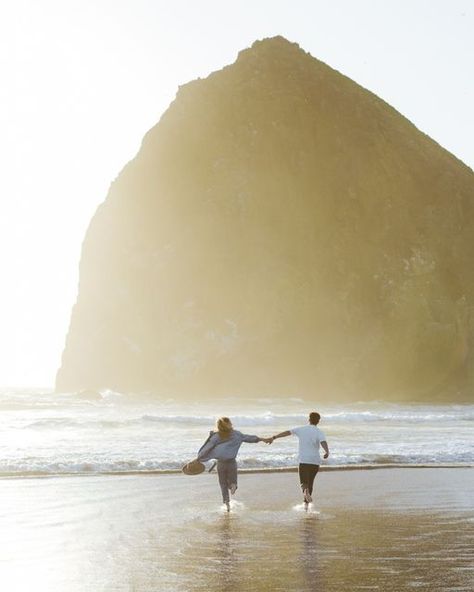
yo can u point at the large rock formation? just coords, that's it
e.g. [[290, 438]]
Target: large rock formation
[[282, 231]]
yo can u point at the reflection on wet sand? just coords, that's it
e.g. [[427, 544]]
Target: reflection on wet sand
[[226, 554], [393, 552], [305, 553], [367, 532], [309, 554], [219, 557]]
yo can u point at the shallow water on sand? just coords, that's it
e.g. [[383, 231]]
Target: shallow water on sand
[[332, 553], [388, 530]]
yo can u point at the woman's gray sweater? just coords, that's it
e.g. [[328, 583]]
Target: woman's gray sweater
[[216, 447]]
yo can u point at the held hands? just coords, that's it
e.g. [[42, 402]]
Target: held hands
[[268, 440]]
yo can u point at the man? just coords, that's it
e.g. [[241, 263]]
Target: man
[[310, 439]]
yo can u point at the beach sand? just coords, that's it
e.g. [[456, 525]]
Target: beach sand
[[389, 530]]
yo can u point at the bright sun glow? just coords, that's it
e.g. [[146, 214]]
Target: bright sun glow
[[82, 81]]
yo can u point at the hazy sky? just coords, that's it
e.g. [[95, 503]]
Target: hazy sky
[[82, 81]]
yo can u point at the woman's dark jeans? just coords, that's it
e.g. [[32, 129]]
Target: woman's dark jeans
[[227, 473]]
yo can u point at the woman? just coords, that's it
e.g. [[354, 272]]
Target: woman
[[223, 445]]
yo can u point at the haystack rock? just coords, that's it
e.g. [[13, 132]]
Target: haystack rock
[[281, 232]]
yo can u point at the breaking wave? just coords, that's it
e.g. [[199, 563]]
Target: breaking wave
[[92, 433], [408, 416]]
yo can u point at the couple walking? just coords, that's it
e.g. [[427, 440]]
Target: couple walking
[[223, 445]]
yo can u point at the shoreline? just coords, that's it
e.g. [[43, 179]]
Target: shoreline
[[242, 471]]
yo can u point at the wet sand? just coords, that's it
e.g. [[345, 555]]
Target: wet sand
[[388, 530]]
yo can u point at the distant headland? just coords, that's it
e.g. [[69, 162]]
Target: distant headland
[[282, 231]]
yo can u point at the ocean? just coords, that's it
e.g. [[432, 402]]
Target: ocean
[[126, 524], [43, 433]]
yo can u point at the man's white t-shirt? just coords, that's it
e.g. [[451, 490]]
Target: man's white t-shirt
[[310, 438]]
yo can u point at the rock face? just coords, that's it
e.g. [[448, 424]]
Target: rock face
[[281, 232]]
